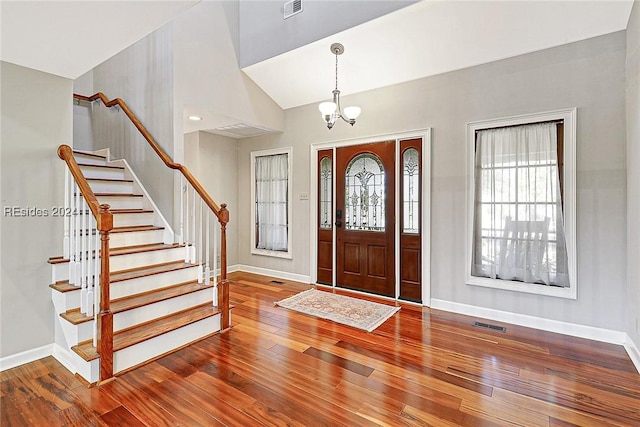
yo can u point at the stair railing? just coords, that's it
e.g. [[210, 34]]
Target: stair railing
[[84, 220], [196, 208]]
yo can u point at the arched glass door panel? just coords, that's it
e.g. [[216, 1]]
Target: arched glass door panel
[[365, 193]]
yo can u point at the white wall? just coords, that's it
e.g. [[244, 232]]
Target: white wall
[[82, 126], [142, 75], [208, 81], [36, 119], [588, 75], [633, 173], [213, 160]]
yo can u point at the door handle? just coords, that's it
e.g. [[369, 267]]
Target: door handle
[[338, 223]]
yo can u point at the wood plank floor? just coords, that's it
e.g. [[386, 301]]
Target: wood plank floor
[[276, 367]]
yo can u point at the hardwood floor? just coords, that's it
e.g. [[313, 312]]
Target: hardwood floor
[[275, 367]]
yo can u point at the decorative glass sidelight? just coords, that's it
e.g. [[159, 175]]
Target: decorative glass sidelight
[[364, 193], [326, 190], [411, 193]]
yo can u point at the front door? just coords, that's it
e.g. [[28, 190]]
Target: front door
[[364, 217]]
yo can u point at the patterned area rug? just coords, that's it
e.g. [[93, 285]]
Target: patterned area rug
[[349, 311]]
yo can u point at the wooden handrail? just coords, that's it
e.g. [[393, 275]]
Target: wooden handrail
[[221, 212], [159, 151], [104, 224]]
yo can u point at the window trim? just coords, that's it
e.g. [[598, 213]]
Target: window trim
[[569, 117], [266, 252]]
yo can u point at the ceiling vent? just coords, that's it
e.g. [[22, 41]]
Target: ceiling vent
[[240, 130], [292, 7]]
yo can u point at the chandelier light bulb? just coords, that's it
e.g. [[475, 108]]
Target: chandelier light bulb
[[352, 113], [327, 108]]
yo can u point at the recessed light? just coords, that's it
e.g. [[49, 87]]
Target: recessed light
[[195, 118]]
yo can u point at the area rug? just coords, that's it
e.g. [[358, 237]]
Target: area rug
[[348, 311]]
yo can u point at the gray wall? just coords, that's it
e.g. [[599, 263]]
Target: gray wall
[[633, 173], [589, 75], [213, 160], [265, 33], [142, 75], [36, 119]]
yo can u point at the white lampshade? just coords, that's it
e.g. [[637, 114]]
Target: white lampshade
[[352, 113], [327, 108]]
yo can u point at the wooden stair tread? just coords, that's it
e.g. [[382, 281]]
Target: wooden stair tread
[[85, 165], [149, 270], [126, 250], [63, 286], [81, 153], [131, 228], [117, 195], [146, 331], [135, 301], [129, 211], [109, 179]]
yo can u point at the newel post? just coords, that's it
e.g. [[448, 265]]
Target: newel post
[[105, 317], [223, 286]]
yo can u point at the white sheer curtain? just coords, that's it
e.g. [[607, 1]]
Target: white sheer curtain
[[518, 225], [271, 175]]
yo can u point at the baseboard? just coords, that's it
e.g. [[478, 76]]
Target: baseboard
[[633, 352], [273, 273], [64, 356], [27, 356], [581, 331]]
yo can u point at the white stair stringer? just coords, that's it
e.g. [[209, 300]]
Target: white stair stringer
[[140, 266]]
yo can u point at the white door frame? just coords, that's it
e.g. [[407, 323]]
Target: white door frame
[[425, 134]]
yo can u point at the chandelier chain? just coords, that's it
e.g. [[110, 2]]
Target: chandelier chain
[[336, 70]]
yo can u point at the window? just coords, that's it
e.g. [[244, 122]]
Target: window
[[271, 208], [518, 210]]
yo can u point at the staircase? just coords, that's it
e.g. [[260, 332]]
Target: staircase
[[160, 297]]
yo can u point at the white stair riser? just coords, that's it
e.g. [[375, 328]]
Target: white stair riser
[[139, 353], [133, 238], [89, 160], [122, 202], [59, 272], [90, 371], [111, 186], [128, 261], [102, 173], [155, 281], [75, 334], [63, 301], [126, 319], [132, 219], [134, 317]]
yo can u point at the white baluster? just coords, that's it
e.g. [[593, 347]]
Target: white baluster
[[72, 230], [207, 268], [200, 230], [83, 256], [73, 262], [66, 241], [215, 266], [186, 224], [96, 292], [90, 264], [192, 252], [182, 188]]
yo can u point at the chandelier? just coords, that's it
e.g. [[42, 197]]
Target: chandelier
[[331, 110]]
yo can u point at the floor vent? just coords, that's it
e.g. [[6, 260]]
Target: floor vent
[[277, 282], [488, 326]]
